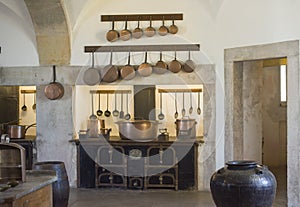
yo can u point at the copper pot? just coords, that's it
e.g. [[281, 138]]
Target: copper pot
[[160, 67], [173, 29], [189, 65], [150, 31], [125, 34], [110, 72], [163, 30], [138, 129], [127, 72], [54, 90], [137, 32], [186, 128], [91, 76], [175, 66], [18, 131], [112, 35], [145, 69]]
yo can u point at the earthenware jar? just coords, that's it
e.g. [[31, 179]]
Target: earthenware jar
[[243, 183]]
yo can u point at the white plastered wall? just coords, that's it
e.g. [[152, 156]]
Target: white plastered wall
[[215, 24]]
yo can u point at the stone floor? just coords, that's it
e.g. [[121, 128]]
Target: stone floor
[[132, 198], [159, 198]]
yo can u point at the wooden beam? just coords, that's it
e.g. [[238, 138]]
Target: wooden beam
[[142, 48], [141, 17], [179, 90]]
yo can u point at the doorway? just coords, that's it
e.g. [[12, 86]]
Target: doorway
[[244, 106], [274, 123]]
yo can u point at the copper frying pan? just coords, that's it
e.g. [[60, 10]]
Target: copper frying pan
[[54, 90]]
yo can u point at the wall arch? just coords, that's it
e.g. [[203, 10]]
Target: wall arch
[[52, 33]]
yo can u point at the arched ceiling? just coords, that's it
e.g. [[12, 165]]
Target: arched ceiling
[[52, 33]]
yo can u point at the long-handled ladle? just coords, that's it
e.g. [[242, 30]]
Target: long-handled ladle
[[183, 109], [93, 116], [176, 113], [161, 116], [198, 109]]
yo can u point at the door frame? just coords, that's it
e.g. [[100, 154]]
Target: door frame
[[233, 66]]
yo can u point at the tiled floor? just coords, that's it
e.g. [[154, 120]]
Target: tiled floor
[[159, 198]]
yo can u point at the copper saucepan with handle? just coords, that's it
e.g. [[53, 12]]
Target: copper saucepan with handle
[[112, 35], [91, 76], [160, 66], [175, 66], [137, 32], [189, 65], [145, 69], [125, 34], [163, 30], [150, 31], [127, 72], [110, 72], [173, 29], [18, 131], [54, 90]]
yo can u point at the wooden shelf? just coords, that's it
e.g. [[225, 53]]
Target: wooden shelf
[[143, 48], [141, 17]]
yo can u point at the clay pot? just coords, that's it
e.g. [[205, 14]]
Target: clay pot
[[243, 183]]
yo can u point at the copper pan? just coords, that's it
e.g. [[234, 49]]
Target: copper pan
[[145, 69], [150, 31], [125, 34], [160, 67], [54, 90], [110, 72], [112, 35], [175, 65], [127, 72]]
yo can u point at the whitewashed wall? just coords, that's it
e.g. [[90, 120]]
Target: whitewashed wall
[[216, 25]]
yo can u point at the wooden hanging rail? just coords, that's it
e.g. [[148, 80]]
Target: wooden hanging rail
[[143, 48], [28, 91], [179, 90], [141, 17], [109, 91]]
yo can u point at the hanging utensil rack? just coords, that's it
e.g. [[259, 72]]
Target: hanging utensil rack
[[141, 17], [194, 90], [142, 48], [28, 91], [110, 91]]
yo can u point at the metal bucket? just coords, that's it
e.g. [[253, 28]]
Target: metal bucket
[[186, 128]]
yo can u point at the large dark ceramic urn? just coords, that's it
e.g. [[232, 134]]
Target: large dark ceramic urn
[[243, 183]]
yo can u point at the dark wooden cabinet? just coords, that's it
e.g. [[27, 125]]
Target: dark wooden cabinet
[[137, 165]]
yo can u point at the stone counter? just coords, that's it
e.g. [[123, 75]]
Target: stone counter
[[35, 180]]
